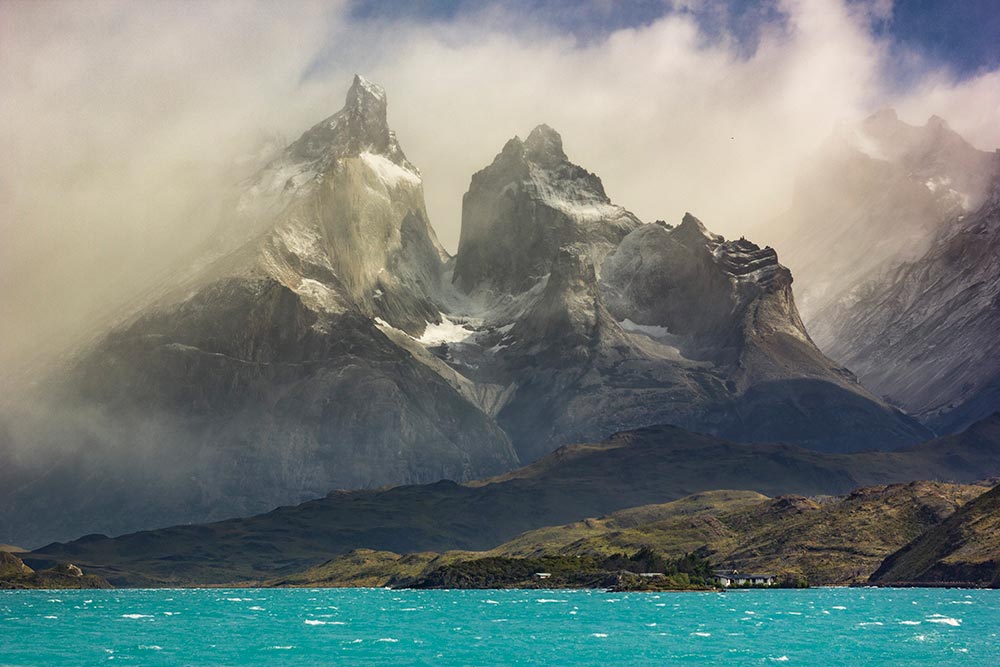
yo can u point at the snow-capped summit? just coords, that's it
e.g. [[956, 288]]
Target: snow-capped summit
[[359, 130], [343, 200]]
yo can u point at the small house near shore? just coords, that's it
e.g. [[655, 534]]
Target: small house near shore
[[728, 578]]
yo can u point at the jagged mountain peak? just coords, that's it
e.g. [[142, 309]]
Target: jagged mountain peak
[[362, 90], [886, 114], [361, 126], [526, 205], [885, 136], [340, 214], [691, 229], [544, 146], [937, 122], [875, 196], [359, 130]]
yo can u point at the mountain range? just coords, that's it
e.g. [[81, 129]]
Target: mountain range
[[327, 341]]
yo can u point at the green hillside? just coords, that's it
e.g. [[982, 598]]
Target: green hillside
[[833, 540], [963, 550]]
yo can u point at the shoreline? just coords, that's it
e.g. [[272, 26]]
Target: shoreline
[[255, 586]]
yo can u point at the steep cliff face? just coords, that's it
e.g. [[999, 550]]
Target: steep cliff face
[[342, 206], [893, 241], [925, 334], [697, 285]]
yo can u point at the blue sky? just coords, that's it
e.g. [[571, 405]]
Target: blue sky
[[961, 35]]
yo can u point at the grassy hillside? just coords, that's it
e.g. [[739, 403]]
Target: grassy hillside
[[15, 574], [365, 567], [834, 540], [964, 550], [635, 468]]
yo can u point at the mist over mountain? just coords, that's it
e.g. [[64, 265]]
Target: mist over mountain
[[893, 241], [925, 333], [328, 341], [875, 195], [262, 378]]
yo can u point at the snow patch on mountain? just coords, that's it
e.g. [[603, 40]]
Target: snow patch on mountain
[[572, 197], [304, 242], [317, 296], [370, 87], [650, 330], [446, 331], [388, 171]]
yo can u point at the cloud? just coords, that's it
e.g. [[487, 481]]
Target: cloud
[[670, 119], [123, 123], [971, 106], [119, 124]]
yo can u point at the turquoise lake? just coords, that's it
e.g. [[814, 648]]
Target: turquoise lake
[[319, 627]]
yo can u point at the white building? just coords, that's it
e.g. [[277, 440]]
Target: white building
[[727, 578]]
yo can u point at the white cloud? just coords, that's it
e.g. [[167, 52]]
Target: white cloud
[[971, 106]]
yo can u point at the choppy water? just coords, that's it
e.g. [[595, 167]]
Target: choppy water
[[382, 627]]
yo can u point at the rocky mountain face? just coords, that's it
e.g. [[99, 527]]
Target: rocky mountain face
[[875, 195], [594, 322], [893, 238], [327, 341], [925, 334], [522, 209]]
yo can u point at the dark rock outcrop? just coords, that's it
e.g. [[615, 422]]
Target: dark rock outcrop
[[14, 574]]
